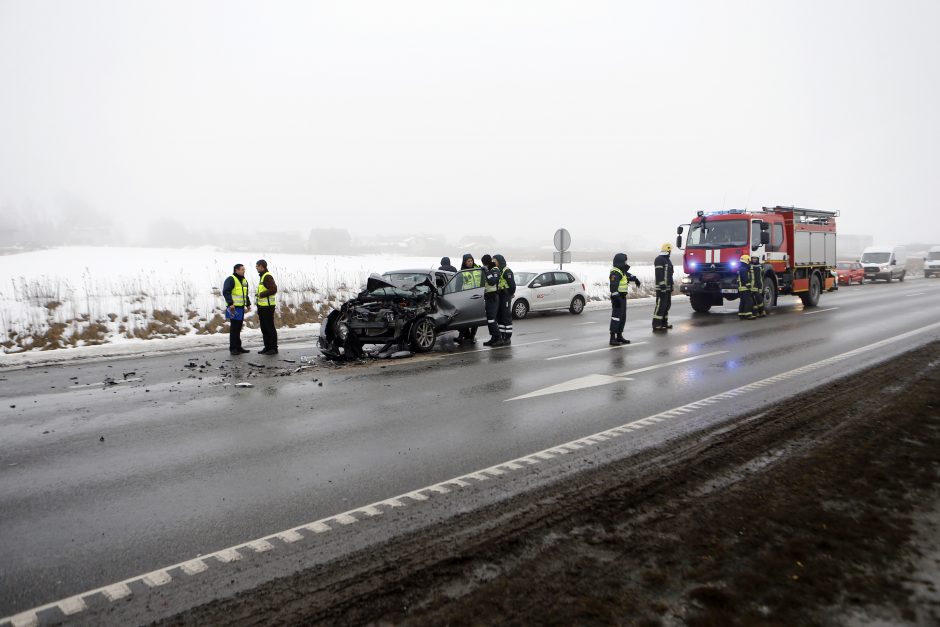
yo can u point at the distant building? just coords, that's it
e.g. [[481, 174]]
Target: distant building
[[329, 242]]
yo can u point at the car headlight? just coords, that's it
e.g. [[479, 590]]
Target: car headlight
[[686, 280], [342, 330]]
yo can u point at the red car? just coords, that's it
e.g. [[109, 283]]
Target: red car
[[849, 272]]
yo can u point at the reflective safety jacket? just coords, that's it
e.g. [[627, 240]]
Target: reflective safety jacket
[[491, 280], [239, 291], [665, 272], [266, 301], [757, 278], [470, 279], [507, 281], [620, 280], [745, 278]]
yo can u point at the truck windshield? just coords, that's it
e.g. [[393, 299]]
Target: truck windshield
[[717, 233], [876, 257], [934, 256]]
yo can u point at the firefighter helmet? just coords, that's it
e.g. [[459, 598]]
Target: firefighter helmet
[[667, 248], [745, 259]]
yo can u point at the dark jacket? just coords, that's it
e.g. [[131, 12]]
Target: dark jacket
[[664, 273], [227, 288], [270, 287], [445, 265], [620, 263], [506, 273]]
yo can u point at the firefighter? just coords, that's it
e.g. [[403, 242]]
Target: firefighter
[[491, 298], [620, 278], [469, 280], [506, 290], [757, 270], [664, 285], [745, 289]]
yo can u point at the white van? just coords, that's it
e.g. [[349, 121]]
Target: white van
[[884, 262], [932, 262]]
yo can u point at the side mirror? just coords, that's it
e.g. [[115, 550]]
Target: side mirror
[[764, 236], [536, 285], [679, 240], [765, 226], [679, 230], [894, 262]]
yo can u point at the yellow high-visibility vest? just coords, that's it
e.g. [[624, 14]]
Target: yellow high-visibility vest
[[240, 291], [267, 301], [624, 285]]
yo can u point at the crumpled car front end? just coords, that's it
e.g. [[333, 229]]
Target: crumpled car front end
[[384, 313]]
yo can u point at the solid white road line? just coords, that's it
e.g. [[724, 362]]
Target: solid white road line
[[596, 350], [669, 363], [807, 313], [581, 324], [917, 294], [493, 348], [161, 576]]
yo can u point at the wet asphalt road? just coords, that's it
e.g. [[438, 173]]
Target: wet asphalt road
[[190, 465]]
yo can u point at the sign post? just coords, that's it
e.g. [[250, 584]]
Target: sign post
[[562, 244]]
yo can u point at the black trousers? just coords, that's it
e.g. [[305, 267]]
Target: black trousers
[[234, 335], [661, 311], [618, 313], [504, 316], [491, 302], [268, 332], [745, 307]]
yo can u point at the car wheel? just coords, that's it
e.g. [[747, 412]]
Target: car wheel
[[902, 276], [520, 309], [423, 335], [699, 303], [890, 278], [577, 305]]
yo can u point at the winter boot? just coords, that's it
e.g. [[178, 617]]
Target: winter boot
[[613, 340], [621, 339]]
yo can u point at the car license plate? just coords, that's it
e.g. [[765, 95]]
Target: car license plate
[[729, 291]]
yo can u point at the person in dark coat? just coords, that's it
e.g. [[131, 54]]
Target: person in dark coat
[[491, 298], [445, 265], [665, 271], [469, 280], [620, 279], [506, 288], [237, 302], [267, 303], [745, 288]]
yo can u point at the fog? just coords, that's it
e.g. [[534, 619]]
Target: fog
[[196, 122]]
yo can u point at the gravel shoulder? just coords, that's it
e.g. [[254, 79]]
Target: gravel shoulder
[[821, 510]]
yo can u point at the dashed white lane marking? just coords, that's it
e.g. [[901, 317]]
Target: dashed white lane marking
[[497, 348], [596, 350], [117, 591], [194, 567], [917, 294], [816, 311], [670, 363], [582, 324], [162, 576]]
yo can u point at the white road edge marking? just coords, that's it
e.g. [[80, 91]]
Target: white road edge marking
[[582, 324], [162, 575], [596, 350], [917, 294], [494, 348], [815, 311]]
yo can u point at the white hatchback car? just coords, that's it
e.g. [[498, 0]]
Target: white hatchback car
[[544, 291]]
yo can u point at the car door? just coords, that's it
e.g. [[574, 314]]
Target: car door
[[564, 289], [541, 288], [462, 300]]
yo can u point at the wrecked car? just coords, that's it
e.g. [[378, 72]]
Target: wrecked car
[[404, 310]]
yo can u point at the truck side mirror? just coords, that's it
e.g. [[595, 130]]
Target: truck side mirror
[[679, 230], [764, 236], [679, 241], [765, 226]]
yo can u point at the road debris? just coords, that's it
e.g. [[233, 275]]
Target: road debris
[[244, 384]]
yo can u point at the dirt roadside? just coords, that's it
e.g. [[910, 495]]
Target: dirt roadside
[[823, 510]]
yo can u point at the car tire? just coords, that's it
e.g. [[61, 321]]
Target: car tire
[[577, 305], [902, 276], [520, 309], [422, 336], [890, 278]]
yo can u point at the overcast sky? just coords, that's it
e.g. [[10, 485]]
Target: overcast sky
[[512, 118]]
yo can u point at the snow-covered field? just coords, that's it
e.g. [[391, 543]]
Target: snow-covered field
[[78, 296]]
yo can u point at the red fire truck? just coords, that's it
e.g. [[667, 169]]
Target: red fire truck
[[796, 247]]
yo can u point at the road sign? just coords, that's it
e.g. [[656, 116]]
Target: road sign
[[562, 240], [561, 258]]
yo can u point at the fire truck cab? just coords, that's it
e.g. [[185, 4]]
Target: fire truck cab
[[796, 247]]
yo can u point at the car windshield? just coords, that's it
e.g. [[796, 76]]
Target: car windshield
[[717, 233], [844, 265], [934, 256], [523, 278], [876, 257]]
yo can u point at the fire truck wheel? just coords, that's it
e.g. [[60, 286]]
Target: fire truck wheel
[[699, 304], [811, 298]]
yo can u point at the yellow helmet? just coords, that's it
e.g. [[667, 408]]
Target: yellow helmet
[[667, 248], [745, 259]]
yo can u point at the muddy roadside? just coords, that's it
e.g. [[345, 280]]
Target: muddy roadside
[[822, 510]]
